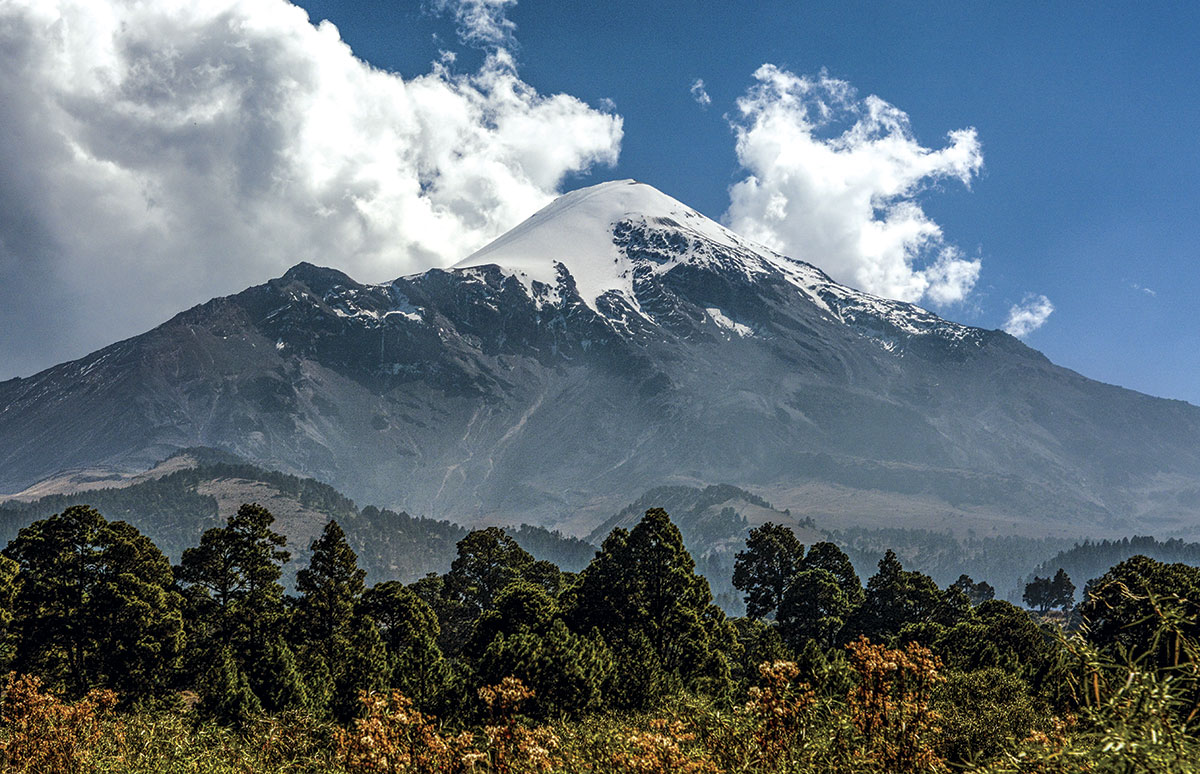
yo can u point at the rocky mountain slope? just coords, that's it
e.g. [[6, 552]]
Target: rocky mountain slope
[[614, 342]]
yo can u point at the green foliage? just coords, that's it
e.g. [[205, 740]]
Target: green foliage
[[895, 597], [815, 606], [827, 556], [758, 642], [409, 630], [95, 605], [278, 683], [330, 588], [982, 714], [764, 570], [642, 596], [1092, 558], [567, 671], [488, 561], [627, 667], [976, 593], [1048, 593], [224, 692], [362, 669], [232, 577], [9, 585], [1123, 608]]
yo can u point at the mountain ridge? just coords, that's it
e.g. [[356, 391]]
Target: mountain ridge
[[475, 394]]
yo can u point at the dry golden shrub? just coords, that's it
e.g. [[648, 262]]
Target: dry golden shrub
[[660, 750], [778, 708], [510, 746], [890, 704], [394, 738], [41, 733]]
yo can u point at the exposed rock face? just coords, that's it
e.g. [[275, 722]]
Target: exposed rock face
[[615, 342]]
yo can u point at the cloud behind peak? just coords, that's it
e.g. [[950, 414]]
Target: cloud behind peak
[[198, 148], [832, 178]]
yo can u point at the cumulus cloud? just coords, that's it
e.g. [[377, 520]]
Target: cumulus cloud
[[699, 94], [833, 179], [157, 154], [1029, 315], [480, 22]]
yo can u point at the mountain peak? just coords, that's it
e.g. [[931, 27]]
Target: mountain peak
[[319, 277], [576, 231]]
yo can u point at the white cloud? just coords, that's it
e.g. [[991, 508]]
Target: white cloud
[[480, 22], [1144, 289], [833, 179], [157, 154], [699, 94], [1029, 315]]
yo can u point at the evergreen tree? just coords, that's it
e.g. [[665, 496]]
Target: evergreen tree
[[95, 605], [363, 668], [232, 580], [827, 556], [488, 560], [566, 671], [977, 593], [642, 595], [895, 597], [1122, 608], [1062, 591], [759, 641], [1037, 594], [763, 571], [277, 682], [1000, 634], [9, 584], [410, 631], [341, 648], [329, 588], [224, 692], [235, 606], [814, 607]]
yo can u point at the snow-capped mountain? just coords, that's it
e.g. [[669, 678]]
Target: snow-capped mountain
[[610, 242], [616, 341]]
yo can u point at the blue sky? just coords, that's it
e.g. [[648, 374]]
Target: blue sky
[[1084, 117]]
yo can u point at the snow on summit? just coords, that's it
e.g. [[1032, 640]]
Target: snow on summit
[[611, 236], [576, 231]]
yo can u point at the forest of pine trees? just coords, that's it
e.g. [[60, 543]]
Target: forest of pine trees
[[119, 661]]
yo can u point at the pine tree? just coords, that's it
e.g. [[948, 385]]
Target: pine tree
[[235, 602], [1039, 594], [232, 580], [224, 692], [1062, 590], [641, 594], [895, 597], [977, 593], [362, 668], [827, 556], [275, 679], [9, 584], [488, 560], [814, 607], [329, 588], [409, 630], [764, 569], [95, 605], [567, 672]]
